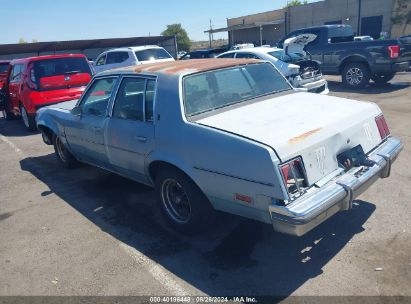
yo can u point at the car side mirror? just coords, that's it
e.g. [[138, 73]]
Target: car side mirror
[[76, 111]]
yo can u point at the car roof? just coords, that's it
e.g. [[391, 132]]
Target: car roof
[[135, 48], [4, 61], [45, 57], [181, 67]]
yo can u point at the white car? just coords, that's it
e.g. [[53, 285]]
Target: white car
[[363, 38], [128, 56], [291, 61]]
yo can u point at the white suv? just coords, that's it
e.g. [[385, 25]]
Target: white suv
[[127, 56]]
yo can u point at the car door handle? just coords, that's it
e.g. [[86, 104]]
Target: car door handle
[[141, 138]]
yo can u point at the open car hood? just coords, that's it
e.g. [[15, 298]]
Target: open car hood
[[298, 43]]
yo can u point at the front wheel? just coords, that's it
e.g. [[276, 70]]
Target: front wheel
[[356, 75], [182, 203], [382, 78], [63, 155], [29, 120]]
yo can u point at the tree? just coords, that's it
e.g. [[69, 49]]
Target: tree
[[296, 2], [183, 41], [22, 40], [34, 40]]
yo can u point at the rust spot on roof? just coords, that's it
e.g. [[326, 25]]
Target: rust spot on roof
[[188, 66], [301, 137]]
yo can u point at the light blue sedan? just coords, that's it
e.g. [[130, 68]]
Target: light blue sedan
[[225, 134]]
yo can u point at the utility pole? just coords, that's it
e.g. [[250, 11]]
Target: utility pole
[[210, 34], [359, 18]]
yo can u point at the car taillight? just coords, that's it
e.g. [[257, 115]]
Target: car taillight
[[394, 51], [294, 176], [382, 126]]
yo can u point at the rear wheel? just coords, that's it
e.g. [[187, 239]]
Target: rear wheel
[[356, 75], [29, 120], [183, 204], [63, 155], [382, 78]]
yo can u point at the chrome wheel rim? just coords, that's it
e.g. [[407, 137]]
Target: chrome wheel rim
[[25, 117], [175, 201], [61, 150], [354, 76]]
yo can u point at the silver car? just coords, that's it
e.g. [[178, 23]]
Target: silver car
[[225, 134]]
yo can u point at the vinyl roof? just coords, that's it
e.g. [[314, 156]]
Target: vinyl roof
[[183, 66], [37, 47]]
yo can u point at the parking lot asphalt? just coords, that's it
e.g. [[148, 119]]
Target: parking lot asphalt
[[89, 232]]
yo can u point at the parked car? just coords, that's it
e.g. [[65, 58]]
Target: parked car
[[242, 46], [300, 71], [357, 62], [201, 54], [127, 56], [4, 67], [363, 38], [225, 134], [406, 48], [35, 82]]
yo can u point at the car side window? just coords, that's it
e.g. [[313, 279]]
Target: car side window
[[246, 55], [150, 93], [97, 97], [229, 55], [129, 103], [16, 73], [101, 60], [116, 57]]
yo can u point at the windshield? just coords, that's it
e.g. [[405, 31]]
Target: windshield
[[290, 57], [152, 54], [60, 66], [212, 90], [4, 67]]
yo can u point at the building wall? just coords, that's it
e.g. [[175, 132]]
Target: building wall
[[314, 14]]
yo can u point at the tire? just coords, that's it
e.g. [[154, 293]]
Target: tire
[[63, 155], [183, 205], [356, 75], [28, 120], [382, 78]]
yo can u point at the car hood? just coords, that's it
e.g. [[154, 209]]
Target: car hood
[[299, 124], [298, 43]]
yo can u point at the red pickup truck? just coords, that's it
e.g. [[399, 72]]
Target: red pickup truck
[[32, 83]]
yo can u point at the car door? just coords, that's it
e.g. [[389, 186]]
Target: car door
[[85, 132], [130, 130], [15, 85]]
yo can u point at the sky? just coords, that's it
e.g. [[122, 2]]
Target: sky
[[51, 20]]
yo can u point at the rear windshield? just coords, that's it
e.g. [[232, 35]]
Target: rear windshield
[[60, 66], [4, 67], [209, 91], [152, 54]]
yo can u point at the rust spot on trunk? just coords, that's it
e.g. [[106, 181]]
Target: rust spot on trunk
[[301, 137]]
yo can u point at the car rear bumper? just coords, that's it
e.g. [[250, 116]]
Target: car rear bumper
[[312, 209], [401, 66]]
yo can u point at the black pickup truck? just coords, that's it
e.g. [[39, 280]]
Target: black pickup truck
[[356, 61]]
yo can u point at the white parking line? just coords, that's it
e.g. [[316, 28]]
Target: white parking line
[[158, 272], [13, 146]]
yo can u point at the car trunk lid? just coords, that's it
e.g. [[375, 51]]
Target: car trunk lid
[[315, 127]]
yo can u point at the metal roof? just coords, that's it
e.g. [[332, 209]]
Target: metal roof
[[53, 46], [245, 26]]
